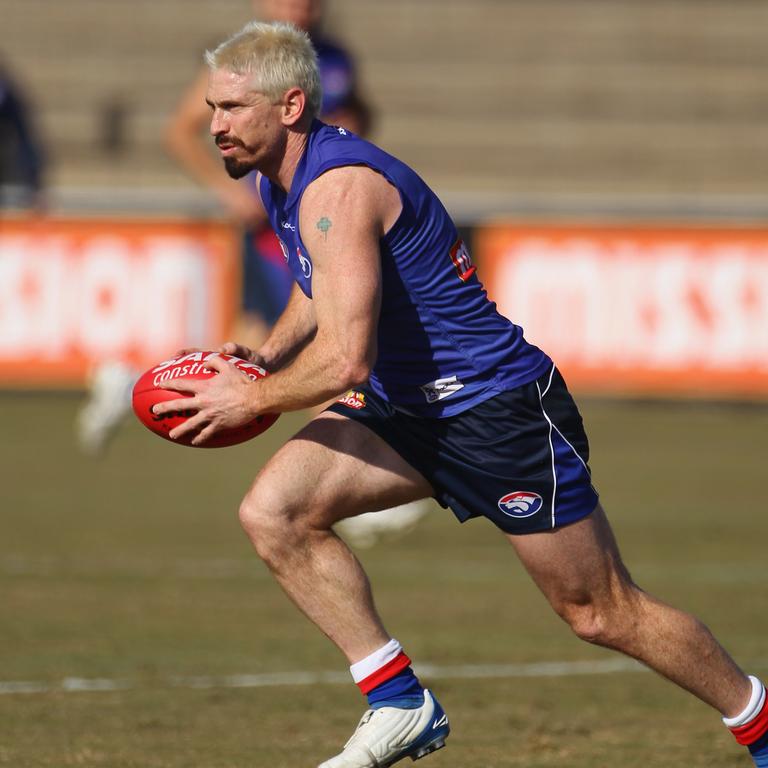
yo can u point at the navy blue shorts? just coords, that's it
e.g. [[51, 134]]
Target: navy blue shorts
[[520, 458]]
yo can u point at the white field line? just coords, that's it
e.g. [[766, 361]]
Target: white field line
[[275, 679], [224, 568], [183, 568]]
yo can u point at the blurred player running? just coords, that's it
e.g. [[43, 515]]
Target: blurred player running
[[444, 397], [266, 279]]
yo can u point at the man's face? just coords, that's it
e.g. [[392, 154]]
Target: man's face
[[245, 125]]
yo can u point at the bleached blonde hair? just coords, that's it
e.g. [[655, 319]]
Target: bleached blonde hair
[[278, 55]]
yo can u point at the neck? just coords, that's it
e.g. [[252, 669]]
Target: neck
[[295, 144]]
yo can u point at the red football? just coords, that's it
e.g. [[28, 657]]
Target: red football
[[147, 393]]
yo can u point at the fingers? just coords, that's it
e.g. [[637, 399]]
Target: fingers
[[227, 348], [174, 406], [177, 404], [183, 384], [194, 424], [218, 364], [208, 400], [231, 348], [186, 351], [237, 350], [191, 425], [204, 436]]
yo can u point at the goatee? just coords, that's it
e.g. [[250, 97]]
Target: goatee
[[236, 169]]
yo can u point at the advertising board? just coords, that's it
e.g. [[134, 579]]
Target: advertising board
[[637, 309], [74, 291]]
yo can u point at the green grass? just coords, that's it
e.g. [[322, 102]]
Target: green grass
[[133, 568]]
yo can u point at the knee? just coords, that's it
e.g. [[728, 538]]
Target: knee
[[280, 522], [588, 622], [269, 521], [609, 622]]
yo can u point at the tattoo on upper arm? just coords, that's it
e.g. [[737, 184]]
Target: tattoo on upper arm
[[324, 225]]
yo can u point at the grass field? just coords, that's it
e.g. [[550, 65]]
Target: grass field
[[131, 574]]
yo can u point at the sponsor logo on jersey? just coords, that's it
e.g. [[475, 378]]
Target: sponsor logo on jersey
[[353, 399], [306, 264], [462, 261], [520, 503], [287, 225], [283, 248], [439, 389]]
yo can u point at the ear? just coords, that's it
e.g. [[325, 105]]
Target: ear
[[292, 106]]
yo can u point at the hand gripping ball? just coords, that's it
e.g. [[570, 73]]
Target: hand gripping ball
[[147, 393]]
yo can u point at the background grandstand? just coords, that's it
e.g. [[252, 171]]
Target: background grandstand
[[506, 106]]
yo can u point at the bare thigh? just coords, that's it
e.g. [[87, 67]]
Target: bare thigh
[[575, 564], [336, 468]]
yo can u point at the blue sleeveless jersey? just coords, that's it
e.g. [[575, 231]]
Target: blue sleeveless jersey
[[442, 346]]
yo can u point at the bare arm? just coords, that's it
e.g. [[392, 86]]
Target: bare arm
[[185, 140], [343, 215], [341, 223]]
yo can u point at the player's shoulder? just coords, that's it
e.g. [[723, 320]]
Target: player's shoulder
[[334, 145], [342, 181], [357, 195]]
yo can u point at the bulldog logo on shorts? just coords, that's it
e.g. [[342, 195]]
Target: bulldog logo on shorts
[[520, 503]]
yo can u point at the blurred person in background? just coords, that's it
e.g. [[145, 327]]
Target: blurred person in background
[[266, 279], [21, 155]]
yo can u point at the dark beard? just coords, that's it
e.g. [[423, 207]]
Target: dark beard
[[236, 168]]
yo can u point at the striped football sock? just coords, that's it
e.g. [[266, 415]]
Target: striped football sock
[[751, 727], [386, 678]]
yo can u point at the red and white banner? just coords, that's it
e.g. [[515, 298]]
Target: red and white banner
[[76, 291], [643, 310]]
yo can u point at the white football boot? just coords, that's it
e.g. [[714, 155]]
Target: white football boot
[[389, 734], [109, 401], [363, 531]]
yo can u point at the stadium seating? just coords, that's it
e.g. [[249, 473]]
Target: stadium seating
[[507, 100]]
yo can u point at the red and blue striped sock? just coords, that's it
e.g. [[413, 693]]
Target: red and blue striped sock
[[386, 678], [750, 728]]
